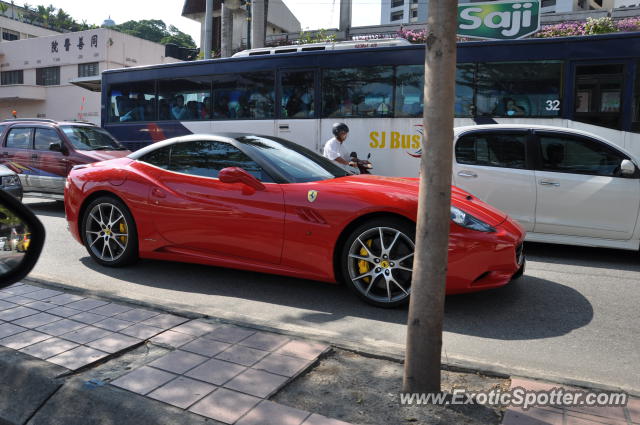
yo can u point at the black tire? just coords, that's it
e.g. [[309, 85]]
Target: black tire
[[378, 273], [109, 232]]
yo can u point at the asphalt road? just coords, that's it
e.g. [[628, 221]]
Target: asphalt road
[[574, 315]]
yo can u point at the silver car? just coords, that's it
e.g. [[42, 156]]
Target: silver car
[[10, 182]]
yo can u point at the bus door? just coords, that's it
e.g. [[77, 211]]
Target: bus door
[[297, 118], [599, 94]]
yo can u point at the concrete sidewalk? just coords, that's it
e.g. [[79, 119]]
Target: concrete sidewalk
[[68, 359], [217, 371]]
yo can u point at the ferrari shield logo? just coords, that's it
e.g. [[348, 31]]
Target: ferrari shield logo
[[312, 195]]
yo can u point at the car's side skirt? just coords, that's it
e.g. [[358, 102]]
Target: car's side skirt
[[631, 244]]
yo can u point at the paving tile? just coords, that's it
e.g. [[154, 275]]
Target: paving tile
[[270, 413], [257, 383], [113, 343], [42, 294], [86, 304], [63, 311], [21, 289], [576, 418], [141, 331], [195, 328], [23, 339], [205, 347], [88, 318], [633, 407], [182, 392], [265, 341], [41, 305], [532, 385], [215, 372], [533, 416], [65, 299], [8, 329], [36, 320], [49, 348], [85, 335], [224, 405], [112, 324], [174, 339], [316, 419], [17, 313], [143, 380], [282, 365], [303, 349], [4, 305], [77, 358], [242, 355], [178, 361], [19, 300], [111, 309], [137, 315], [4, 295], [61, 327], [229, 333], [166, 321], [613, 412]]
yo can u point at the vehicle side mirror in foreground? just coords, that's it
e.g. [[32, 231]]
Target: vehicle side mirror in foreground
[[238, 175], [627, 168], [21, 239]]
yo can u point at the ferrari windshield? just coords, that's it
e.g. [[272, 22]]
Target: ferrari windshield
[[87, 138], [296, 163]]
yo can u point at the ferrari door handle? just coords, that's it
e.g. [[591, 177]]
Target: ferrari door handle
[[158, 193], [467, 174], [548, 183]]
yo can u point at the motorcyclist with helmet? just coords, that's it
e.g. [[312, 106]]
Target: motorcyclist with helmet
[[333, 149]]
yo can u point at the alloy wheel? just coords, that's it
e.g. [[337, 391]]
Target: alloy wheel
[[107, 232]]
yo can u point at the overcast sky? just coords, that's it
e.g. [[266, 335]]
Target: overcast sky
[[312, 14]]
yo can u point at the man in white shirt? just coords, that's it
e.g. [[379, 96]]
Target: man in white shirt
[[333, 149]]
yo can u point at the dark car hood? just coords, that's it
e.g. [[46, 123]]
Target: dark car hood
[[104, 155]]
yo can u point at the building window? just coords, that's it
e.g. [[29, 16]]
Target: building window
[[48, 76], [10, 35], [12, 77], [397, 16], [397, 3], [87, 69], [414, 13]]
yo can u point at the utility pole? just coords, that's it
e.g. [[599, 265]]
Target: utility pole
[[345, 17], [249, 6], [208, 29], [257, 24], [226, 30], [426, 307]]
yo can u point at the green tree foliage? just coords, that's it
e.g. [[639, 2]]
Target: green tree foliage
[[157, 31]]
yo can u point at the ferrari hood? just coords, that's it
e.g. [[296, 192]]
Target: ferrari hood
[[459, 198]]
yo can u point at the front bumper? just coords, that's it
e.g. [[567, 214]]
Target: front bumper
[[479, 260]]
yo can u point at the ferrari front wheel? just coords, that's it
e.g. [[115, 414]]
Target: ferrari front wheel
[[377, 261], [109, 232]]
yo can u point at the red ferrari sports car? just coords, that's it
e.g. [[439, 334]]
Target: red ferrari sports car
[[265, 204]]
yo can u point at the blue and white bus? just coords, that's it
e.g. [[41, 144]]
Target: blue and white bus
[[376, 88]]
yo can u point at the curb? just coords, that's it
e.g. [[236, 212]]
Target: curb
[[376, 349]]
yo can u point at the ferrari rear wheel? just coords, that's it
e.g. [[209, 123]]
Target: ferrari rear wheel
[[377, 261], [109, 232]]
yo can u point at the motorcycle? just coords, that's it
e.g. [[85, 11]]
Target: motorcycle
[[364, 165]]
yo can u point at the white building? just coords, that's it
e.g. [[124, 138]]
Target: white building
[[280, 20], [40, 77]]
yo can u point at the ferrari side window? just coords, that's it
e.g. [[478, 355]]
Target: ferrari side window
[[159, 158], [207, 158]]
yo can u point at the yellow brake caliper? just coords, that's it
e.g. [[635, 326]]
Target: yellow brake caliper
[[365, 266], [123, 230]]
